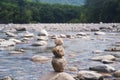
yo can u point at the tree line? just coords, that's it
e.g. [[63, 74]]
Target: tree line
[[26, 11]]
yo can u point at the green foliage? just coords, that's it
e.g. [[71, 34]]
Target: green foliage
[[68, 2], [27, 11]]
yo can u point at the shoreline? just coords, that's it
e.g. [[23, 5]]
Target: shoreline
[[105, 27]]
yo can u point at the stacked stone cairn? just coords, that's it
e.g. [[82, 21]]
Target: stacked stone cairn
[[58, 61]]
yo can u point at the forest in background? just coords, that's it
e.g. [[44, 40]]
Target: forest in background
[[26, 11]]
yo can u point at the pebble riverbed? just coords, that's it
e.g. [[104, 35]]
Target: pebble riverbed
[[78, 52]]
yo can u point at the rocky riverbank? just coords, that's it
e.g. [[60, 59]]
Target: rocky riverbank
[[106, 27], [91, 51]]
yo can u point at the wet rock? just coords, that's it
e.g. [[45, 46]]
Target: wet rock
[[62, 36], [37, 58], [71, 55], [59, 64], [7, 43], [58, 51], [58, 41], [15, 40], [97, 51], [81, 34], [106, 57], [40, 43], [72, 68], [113, 49], [103, 68], [28, 35], [20, 28], [99, 33], [69, 36], [43, 38], [9, 34], [106, 61], [15, 52], [116, 73], [53, 36], [43, 32], [89, 75], [57, 76]]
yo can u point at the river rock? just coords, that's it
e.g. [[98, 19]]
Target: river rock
[[40, 43], [58, 41], [81, 34], [7, 43], [9, 34], [20, 28], [72, 68], [16, 52], [62, 36], [37, 58], [43, 32], [113, 49], [43, 38], [103, 68], [28, 35], [59, 64], [99, 33], [116, 73], [15, 40], [89, 75], [106, 57], [106, 61], [6, 78], [97, 51], [57, 76], [58, 51], [63, 76]]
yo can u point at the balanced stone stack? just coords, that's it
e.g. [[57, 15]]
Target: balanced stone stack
[[58, 61]]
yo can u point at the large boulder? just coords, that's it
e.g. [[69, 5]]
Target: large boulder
[[57, 76], [59, 64], [58, 51], [103, 68], [89, 75]]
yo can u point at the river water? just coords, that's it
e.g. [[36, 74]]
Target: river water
[[20, 67]]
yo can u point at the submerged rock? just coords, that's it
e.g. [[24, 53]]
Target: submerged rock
[[89, 75], [103, 68]]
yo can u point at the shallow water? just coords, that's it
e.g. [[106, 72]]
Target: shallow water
[[20, 67]]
